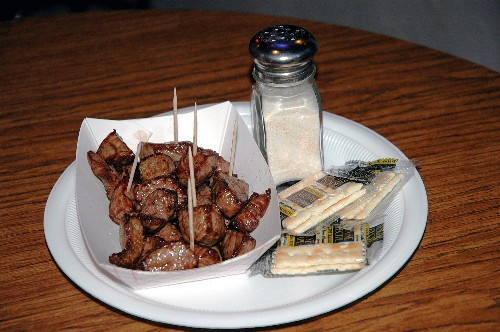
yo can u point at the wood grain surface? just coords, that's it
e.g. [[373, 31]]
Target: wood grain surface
[[442, 111]]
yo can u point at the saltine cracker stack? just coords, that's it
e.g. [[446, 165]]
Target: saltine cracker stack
[[310, 201], [344, 256]]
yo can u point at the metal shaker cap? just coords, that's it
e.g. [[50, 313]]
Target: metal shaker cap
[[283, 54]]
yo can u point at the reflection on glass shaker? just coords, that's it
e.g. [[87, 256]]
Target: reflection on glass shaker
[[285, 103]]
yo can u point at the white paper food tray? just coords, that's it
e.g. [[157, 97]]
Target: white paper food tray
[[215, 131]]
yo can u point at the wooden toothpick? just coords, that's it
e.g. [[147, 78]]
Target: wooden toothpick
[[176, 130], [134, 166], [190, 215], [191, 177], [233, 146], [195, 131], [142, 138]]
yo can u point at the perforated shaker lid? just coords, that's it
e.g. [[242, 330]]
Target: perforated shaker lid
[[283, 53]]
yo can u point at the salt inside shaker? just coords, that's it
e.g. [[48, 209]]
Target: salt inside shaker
[[285, 104]]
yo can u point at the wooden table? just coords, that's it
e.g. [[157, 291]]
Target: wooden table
[[439, 110]]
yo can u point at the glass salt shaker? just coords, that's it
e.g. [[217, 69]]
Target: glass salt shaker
[[285, 104]]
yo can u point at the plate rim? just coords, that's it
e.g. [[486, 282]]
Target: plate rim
[[72, 267]]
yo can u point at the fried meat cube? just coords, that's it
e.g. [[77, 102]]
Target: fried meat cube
[[104, 172], [155, 165], [171, 257], [132, 242], [142, 190], [204, 195], [248, 218], [230, 194], [236, 244], [169, 233], [207, 255], [113, 150], [223, 166], [204, 164], [175, 151], [160, 204], [120, 202], [208, 223]]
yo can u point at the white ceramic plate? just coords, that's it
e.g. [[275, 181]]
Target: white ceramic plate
[[241, 301]]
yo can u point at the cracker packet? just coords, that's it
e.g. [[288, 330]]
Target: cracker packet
[[333, 249], [356, 191], [383, 179], [314, 199]]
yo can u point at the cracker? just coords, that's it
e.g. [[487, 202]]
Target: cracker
[[318, 268], [379, 196], [309, 213], [380, 180], [300, 185], [313, 221], [343, 256]]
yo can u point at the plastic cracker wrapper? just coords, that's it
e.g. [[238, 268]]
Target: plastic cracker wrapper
[[307, 203], [334, 249], [383, 179], [355, 192]]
